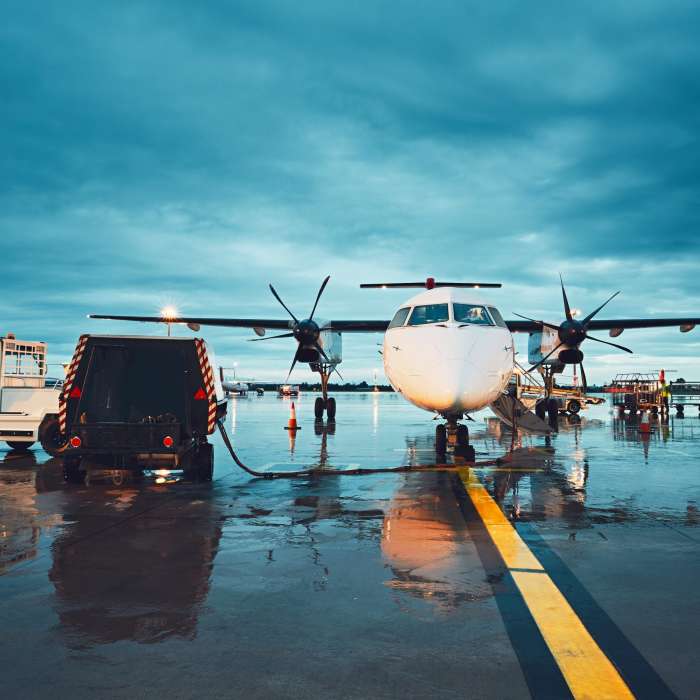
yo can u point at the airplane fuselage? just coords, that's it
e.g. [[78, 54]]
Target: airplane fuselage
[[448, 352]]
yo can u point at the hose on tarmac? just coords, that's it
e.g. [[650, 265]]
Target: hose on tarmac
[[357, 471]]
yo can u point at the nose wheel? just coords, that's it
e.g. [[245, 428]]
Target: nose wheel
[[456, 434]]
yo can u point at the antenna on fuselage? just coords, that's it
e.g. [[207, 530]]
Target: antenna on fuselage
[[430, 283]]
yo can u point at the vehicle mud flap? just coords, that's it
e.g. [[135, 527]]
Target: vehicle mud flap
[[505, 406]]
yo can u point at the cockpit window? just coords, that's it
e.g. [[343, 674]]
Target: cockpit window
[[471, 313], [430, 313], [496, 316], [399, 317]]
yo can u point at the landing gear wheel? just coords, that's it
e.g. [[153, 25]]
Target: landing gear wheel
[[553, 413], [330, 408], [20, 446], [71, 471], [574, 406], [440, 440], [462, 436], [319, 408]]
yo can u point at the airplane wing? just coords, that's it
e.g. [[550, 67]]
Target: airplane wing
[[612, 323], [268, 323]]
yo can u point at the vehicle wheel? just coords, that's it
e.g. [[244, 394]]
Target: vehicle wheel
[[553, 412], [440, 440], [319, 407], [50, 436], [573, 406], [462, 436], [330, 408], [21, 446], [541, 409], [71, 471]]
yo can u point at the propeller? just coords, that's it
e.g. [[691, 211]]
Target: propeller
[[306, 332], [572, 332]]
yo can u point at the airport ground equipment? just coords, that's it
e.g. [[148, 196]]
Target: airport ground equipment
[[636, 391], [26, 396], [131, 402], [684, 394]]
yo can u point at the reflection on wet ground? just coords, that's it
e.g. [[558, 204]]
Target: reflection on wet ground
[[350, 586]]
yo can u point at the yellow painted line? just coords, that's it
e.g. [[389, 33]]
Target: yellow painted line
[[587, 670]]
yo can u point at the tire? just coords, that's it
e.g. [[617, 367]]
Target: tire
[[440, 440], [330, 408], [462, 436], [319, 408], [20, 446], [50, 436], [71, 471], [573, 407]]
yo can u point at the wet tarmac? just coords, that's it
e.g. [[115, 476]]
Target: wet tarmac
[[393, 585]]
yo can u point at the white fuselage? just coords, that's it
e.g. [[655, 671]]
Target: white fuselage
[[450, 354]]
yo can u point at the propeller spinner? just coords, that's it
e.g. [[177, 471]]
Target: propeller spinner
[[571, 334]]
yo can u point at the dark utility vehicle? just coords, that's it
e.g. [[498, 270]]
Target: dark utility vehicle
[[133, 402]]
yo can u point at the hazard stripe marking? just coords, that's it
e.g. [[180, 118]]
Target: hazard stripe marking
[[587, 670]]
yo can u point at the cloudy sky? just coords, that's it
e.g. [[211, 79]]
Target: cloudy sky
[[191, 153]]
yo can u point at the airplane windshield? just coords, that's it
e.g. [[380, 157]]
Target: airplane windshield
[[470, 313], [399, 317], [430, 313]]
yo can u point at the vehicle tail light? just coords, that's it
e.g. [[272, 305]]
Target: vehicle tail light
[[168, 441], [75, 441]]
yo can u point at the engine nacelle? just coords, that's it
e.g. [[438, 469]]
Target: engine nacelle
[[541, 343], [332, 343]]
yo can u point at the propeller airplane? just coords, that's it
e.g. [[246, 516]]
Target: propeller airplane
[[445, 350]]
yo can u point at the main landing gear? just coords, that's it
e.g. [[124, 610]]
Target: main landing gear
[[456, 434], [325, 403]]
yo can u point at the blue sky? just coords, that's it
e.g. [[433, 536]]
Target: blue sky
[[191, 153]]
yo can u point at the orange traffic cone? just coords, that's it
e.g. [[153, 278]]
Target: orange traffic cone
[[292, 425], [644, 426]]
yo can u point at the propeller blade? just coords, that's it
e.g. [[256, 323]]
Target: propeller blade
[[294, 361], [271, 337], [593, 313], [542, 323], [605, 342], [321, 351], [567, 308], [549, 354], [583, 378], [277, 296], [318, 296]]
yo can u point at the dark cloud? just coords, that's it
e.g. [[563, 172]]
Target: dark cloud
[[193, 152]]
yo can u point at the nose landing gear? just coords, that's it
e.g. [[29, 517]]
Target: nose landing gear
[[456, 434], [324, 403]]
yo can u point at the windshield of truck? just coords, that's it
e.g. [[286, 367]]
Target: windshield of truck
[[134, 384]]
